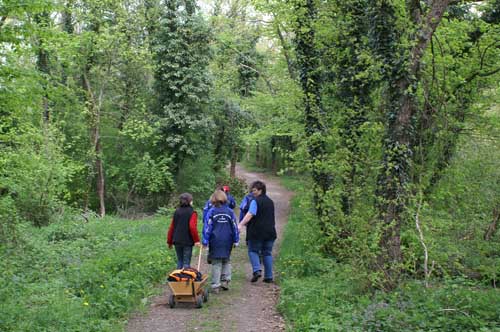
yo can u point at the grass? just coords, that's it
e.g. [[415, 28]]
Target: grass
[[75, 276]]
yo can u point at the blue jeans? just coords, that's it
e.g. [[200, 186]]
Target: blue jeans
[[183, 256], [264, 248]]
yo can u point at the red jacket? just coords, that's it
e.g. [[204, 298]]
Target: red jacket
[[193, 230]]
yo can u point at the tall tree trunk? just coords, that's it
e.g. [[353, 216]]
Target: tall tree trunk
[[234, 157], [274, 166], [315, 115], [257, 154], [353, 90], [286, 52], [492, 227], [95, 110], [67, 18], [394, 179], [42, 21]]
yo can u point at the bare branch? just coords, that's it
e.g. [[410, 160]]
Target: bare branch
[[427, 272], [474, 75], [486, 49]]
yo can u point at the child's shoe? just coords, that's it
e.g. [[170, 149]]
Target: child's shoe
[[215, 290], [224, 285]]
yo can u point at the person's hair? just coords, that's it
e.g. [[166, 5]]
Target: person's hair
[[218, 198], [185, 199], [259, 185]]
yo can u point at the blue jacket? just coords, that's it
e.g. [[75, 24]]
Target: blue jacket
[[231, 203], [220, 232], [245, 205]]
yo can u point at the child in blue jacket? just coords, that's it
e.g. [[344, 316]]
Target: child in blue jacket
[[220, 235], [230, 202]]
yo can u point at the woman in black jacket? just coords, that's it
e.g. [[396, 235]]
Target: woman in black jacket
[[261, 231]]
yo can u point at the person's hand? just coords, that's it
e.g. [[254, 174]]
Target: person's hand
[[236, 244], [197, 244], [240, 227], [169, 246]]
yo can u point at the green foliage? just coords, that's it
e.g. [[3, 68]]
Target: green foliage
[[182, 84], [463, 206], [72, 275], [229, 120], [9, 232], [320, 294], [197, 178], [37, 173]]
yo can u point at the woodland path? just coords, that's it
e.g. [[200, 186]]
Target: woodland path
[[246, 307]]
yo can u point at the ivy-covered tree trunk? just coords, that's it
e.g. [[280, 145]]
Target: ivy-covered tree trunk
[[353, 84], [308, 63], [182, 54], [394, 179]]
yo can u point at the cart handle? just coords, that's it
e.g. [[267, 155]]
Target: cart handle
[[199, 258]]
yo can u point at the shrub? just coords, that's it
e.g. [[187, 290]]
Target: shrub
[[37, 172], [196, 177]]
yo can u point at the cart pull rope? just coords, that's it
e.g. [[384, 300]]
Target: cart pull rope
[[199, 258]]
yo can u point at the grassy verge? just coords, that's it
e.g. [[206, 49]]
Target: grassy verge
[[319, 295], [78, 276]]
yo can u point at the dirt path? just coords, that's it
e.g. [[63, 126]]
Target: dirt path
[[245, 307]]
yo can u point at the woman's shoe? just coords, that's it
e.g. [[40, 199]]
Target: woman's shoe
[[268, 280], [256, 276]]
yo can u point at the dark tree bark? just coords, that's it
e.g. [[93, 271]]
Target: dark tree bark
[[42, 21], [286, 53], [67, 19], [234, 157], [94, 102], [394, 179], [95, 110]]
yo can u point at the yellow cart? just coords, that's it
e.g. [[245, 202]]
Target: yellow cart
[[189, 291]]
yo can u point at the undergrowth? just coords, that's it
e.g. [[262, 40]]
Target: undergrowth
[[319, 294], [75, 276]]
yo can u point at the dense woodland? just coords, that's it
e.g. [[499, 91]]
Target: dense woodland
[[382, 115]]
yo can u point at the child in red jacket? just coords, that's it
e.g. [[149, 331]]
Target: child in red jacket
[[183, 231]]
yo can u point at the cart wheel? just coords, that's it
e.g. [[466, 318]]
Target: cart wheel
[[205, 295], [199, 301], [171, 301]]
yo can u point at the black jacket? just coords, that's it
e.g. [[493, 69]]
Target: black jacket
[[262, 226]]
